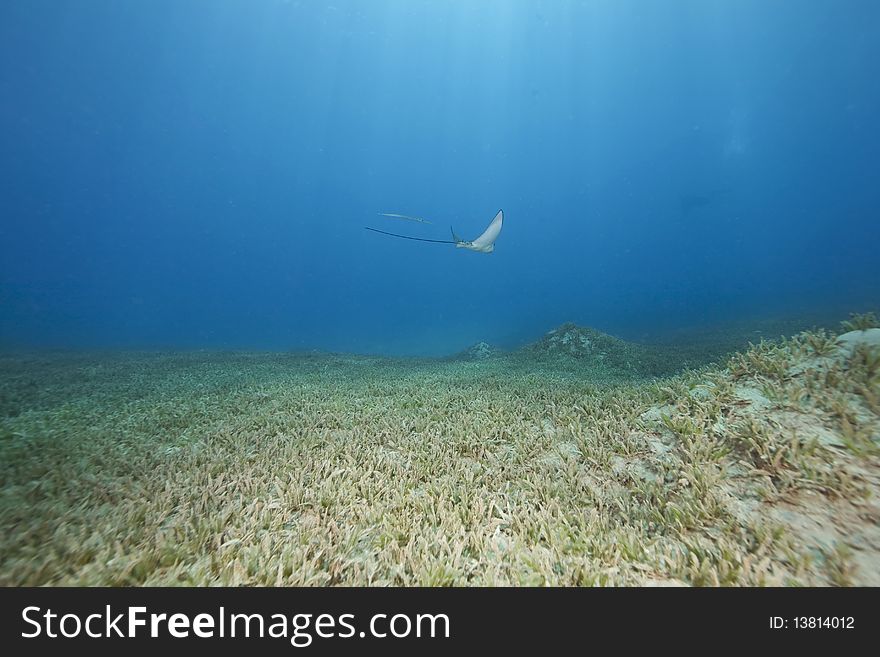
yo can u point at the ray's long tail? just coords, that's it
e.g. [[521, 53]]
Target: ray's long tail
[[408, 237]]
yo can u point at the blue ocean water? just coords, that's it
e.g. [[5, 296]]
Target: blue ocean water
[[198, 174]]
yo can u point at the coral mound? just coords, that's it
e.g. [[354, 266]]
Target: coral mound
[[478, 351], [577, 342], [585, 344]]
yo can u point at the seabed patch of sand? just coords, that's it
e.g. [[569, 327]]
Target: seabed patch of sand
[[580, 460]]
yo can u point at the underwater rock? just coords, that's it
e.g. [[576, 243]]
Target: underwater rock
[[849, 341]]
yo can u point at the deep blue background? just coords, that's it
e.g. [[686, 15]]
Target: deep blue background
[[198, 174]]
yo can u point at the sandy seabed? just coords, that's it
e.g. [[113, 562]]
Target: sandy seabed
[[580, 460]]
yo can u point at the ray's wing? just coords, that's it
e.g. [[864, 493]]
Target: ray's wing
[[491, 233]]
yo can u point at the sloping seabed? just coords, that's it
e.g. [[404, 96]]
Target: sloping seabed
[[598, 464]]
